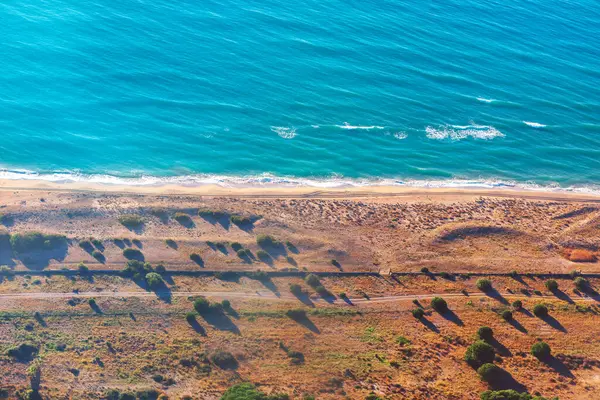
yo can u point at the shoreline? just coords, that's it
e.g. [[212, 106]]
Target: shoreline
[[271, 191]]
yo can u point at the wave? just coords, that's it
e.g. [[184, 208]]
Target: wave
[[284, 132], [484, 100], [269, 180], [400, 135], [534, 124], [367, 127], [459, 132]]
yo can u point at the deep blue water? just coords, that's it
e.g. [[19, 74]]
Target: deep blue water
[[504, 91]]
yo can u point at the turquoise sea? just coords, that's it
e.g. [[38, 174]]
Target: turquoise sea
[[437, 93]]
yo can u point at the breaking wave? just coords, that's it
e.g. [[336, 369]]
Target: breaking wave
[[459, 132]]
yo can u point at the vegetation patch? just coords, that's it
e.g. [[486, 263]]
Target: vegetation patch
[[131, 221], [35, 241]]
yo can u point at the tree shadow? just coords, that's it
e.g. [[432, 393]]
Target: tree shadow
[[526, 312], [304, 298], [519, 279], [347, 300], [517, 325], [222, 248], [101, 258], [119, 243], [558, 366], [494, 294], [275, 250], [293, 249], [186, 222], [197, 260], [95, 308], [220, 321], [452, 317], [265, 258], [100, 246], [164, 293], [291, 261], [38, 260], [504, 381], [305, 322], [499, 347], [137, 243], [6, 253], [429, 325], [217, 218], [197, 327], [553, 322], [563, 296]]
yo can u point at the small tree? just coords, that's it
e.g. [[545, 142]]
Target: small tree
[[295, 289], [485, 333], [418, 313], [312, 280], [517, 304], [507, 315], [541, 350], [479, 353], [581, 283], [484, 284], [551, 285], [154, 280], [489, 372], [439, 305], [201, 305], [540, 311]]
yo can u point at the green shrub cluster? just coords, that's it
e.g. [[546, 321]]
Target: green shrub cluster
[[267, 241], [224, 360], [131, 220], [540, 311], [485, 333], [240, 220], [439, 304], [541, 350], [489, 372], [551, 285], [34, 241], [484, 284], [581, 283], [182, 218], [154, 280], [131, 253], [479, 353], [247, 391]]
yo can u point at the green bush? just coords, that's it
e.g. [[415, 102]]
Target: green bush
[[131, 253], [154, 280], [267, 241], [224, 360], [489, 372], [507, 315], [581, 283], [242, 253], [263, 255], [236, 246], [296, 289], [517, 304], [247, 391], [131, 221], [190, 317], [439, 304], [240, 220], [484, 284], [312, 280], [425, 270], [508, 394], [551, 285], [201, 305], [479, 353], [541, 350], [136, 269], [485, 333], [207, 213], [182, 218], [322, 291], [540, 310], [296, 313], [418, 313], [35, 241]]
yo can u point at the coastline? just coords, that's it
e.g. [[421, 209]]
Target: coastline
[[271, 191]]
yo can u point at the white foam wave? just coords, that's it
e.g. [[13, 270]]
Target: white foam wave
[[400, 135], [534, 124], [269, 180], [484, 100], [367, 127], [284, 131], [459, 132]]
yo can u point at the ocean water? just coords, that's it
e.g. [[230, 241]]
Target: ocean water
[[434, 93]]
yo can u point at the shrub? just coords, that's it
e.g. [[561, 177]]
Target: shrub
[[32, 241], [489, 372], [540, 350], [485, 333], [154, 280], [445, 275], [247, 391], [517, 304], [402, 341], [131, 253], [540, 310], [507, 394], [439, 304], [83, 269], [296, 313], [267, 241], [507, 315], [131, 221], [242, 253], [23, 352], [182, 218], [201, 305], [295, 289], [226, 304], [418, 313], [195, 257], [207, 213], [484, 284], [296, 357], [479, 353], [240, 220], [236, 246], [86, 245], [160, 269], [322, 291], [581, 283], [224, 359], [551, 285], [259, 275], [425, 270], [312, 280], [190, 317], [263, 255], [136, 269]]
